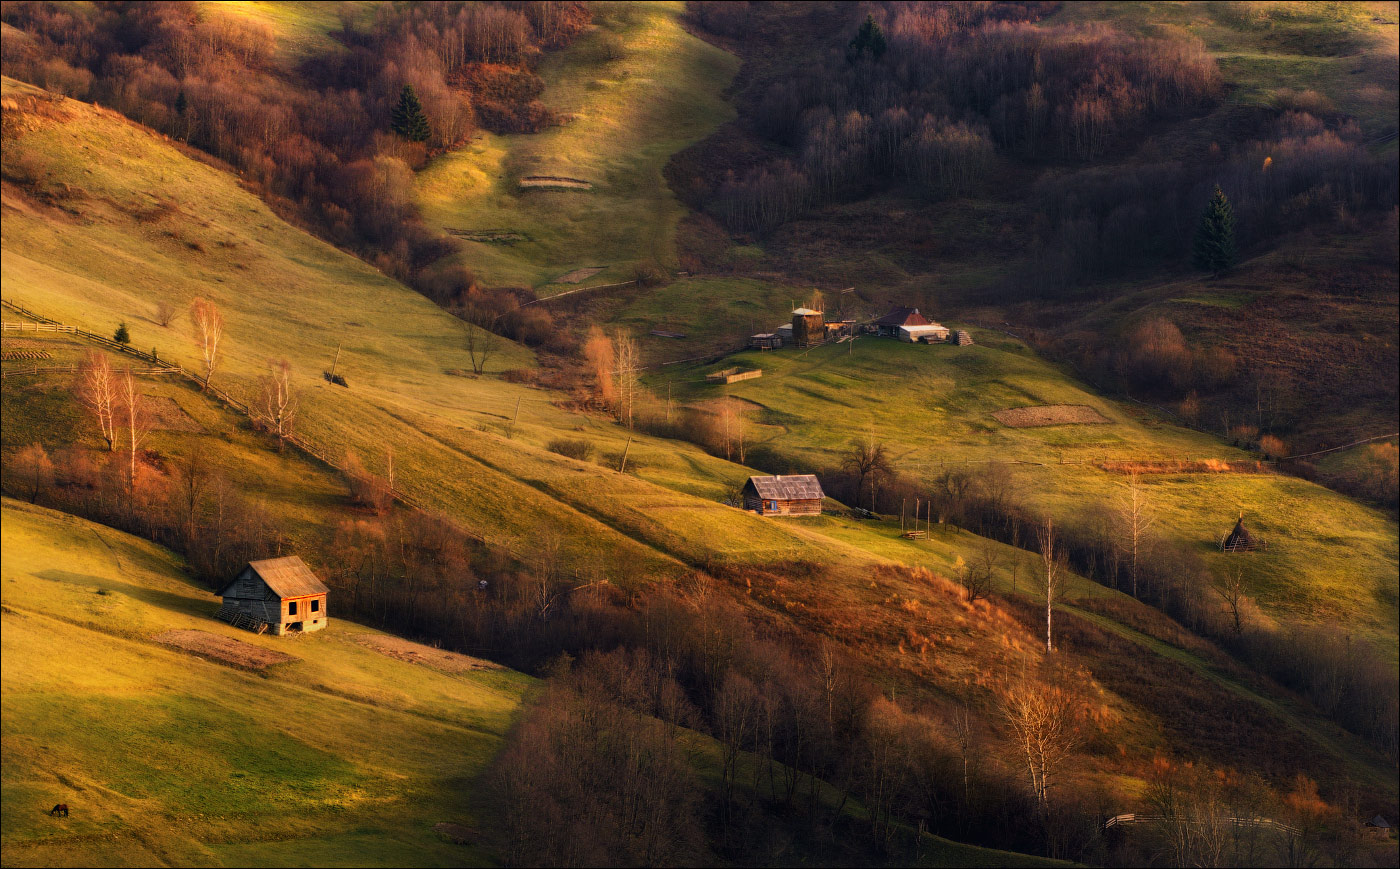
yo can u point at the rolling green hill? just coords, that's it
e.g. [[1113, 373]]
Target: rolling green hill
[[171, 758], [629, 94]]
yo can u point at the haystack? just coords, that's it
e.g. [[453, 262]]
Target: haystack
[[1240, 540]]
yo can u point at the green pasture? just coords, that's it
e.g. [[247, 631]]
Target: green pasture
[[343, 757], [629, 93]]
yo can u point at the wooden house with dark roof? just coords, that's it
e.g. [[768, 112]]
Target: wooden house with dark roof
[[784, 495], [280, 595], [889, 324]]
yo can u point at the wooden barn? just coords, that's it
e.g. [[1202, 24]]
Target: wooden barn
[[784, 495], [280, 595]]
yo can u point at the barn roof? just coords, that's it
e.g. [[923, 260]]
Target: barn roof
[[804, 312], [902, 316], [288, 576], [787, 487]]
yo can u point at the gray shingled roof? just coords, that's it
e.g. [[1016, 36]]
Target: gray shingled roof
[[288, 577], [788, 487]]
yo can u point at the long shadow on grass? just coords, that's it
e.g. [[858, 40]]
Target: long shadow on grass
[[163, 599]]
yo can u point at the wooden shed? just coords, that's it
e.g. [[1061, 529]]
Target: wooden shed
[[784, 495], [280, 595], [765, 341]]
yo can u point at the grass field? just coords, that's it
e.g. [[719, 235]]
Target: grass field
[[1329, 557], [166, 758], [1345, 51], [630, 92]]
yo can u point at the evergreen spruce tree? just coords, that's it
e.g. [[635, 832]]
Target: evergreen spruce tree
[[122, 336], [1214, 247], [408, 119], [182, 104], [868, 38]]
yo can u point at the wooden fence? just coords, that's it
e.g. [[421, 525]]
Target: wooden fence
[[48, 369], [1257, 823], [36, 327]]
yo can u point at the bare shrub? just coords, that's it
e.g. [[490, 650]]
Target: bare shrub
[[574, 448], [33, 471], [367, 489]]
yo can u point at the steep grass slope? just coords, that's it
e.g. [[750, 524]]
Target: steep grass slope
[[629, 94], [112, 219], [344, 756]]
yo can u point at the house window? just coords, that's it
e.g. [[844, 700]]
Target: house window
[[316, 606], [292, 608], [772, 505]]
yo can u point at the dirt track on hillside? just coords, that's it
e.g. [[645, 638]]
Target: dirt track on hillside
[[226, 650], [417, 653], [1049, 414]]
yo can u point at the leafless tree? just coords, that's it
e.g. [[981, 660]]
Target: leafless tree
[[34, 470], [192, 484], [166, 312], [481, 341], [1135, 520], [209, 331], [1041, 720], [134, 420], [96, 389], [628, 367], [276, 408], [1052, 575], [1231, 591], [975, 576], [868, 459]]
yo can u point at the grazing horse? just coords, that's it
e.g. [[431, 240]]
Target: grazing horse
[[60, 809]]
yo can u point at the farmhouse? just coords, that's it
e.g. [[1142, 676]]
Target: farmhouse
[[929, 334], [889, 325], [784, 495], [280, 595]]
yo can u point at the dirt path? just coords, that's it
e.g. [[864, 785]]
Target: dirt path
[[417, 653], [224, 649]]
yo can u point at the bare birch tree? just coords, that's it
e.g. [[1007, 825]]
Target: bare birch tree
[[209, 331], [1135, 520], [1051, 576], [1231, 591], [627, 361], [276, 409], [1042, 729], [96, 389], [135, 421]]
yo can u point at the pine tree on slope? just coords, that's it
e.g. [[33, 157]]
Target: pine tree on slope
[[1214, 247], [408, 119]]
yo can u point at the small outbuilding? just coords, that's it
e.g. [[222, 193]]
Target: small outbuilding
[[280, 595], [765, 341], [808, 327], [932, 333], [784, 495], [1240, 540]]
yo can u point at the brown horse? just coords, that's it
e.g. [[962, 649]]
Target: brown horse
[[60, 809]]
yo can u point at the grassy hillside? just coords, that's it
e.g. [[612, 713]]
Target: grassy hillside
[[1328, 558], [170, 758], [629, 94], [135, 221]]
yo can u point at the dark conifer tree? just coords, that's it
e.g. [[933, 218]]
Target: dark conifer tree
[[408, 119], [1214, 247], [868, 38], [122, 335]]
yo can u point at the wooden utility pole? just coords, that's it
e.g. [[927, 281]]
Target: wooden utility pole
[[668, 400], [335, 361], [514, 417], [622, 466]]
